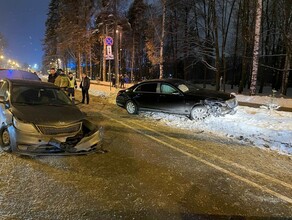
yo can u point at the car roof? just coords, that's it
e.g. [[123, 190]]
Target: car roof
[[22, 82], [18, 74], [172, 80]]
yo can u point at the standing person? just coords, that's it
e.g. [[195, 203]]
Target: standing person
[[122, 81], [62, 80], [113, 80], [52, 75], [84, 85], [72, 87]]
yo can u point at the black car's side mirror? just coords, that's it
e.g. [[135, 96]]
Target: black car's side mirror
[[176, 93]]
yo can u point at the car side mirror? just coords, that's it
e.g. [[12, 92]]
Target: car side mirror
[[176, 93]]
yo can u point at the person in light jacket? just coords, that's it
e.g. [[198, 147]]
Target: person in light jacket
[[72, 87], [62, 80]]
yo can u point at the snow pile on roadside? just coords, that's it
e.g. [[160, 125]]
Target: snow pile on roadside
[[259, 127], [99, 93], [265, 100]]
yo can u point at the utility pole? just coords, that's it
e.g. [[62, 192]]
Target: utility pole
[[104, 54]]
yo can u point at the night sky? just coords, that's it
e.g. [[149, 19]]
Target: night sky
[[22, 22]]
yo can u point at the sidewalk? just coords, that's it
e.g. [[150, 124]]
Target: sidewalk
[[104, 89]]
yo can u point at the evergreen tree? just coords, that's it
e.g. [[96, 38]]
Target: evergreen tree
[[137, 19], [50, 40]]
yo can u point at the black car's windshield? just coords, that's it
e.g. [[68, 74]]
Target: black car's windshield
[[185, 86], [27, 95]]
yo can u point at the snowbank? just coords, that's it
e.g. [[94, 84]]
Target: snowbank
[[258, 127]]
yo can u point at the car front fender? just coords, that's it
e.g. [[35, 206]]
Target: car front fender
[[87, 142]]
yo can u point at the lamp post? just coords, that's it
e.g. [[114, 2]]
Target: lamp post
[[116, 51]]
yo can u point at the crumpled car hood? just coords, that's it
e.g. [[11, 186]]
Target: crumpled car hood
[[210, 94], [46, 114]]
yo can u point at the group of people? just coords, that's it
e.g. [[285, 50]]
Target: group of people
[[68, 83], [122, 80]]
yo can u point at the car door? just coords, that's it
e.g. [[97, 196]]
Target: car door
[[171, 99], [146, 96]]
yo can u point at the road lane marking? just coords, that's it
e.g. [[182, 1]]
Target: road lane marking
[[220, 158], [234, 175]]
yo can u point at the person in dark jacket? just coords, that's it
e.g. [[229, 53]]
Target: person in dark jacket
[[84, 85], [52, 75]]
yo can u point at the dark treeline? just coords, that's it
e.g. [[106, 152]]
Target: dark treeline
[[206, 41]]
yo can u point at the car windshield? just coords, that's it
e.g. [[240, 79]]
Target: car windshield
[[187, 86], [27, 95]]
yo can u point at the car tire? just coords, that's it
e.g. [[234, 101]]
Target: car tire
[[131, 107], [199, 113], [5, 140]]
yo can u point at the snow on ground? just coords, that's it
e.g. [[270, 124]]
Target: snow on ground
[[259, 127]]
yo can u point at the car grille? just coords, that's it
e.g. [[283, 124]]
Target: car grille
[[231, 103], [55, 130]]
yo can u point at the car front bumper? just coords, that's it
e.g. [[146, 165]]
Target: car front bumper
[[36, 144]]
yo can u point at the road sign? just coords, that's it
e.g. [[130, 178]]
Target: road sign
[[109, 57], [109, 50], [109, 41], [109, 54]]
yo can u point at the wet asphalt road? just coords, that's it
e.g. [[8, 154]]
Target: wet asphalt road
[[150, 172]]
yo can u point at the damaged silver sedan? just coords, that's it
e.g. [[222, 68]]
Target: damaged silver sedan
[[38, 118]]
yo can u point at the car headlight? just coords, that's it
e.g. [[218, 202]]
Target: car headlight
[[22, 126]]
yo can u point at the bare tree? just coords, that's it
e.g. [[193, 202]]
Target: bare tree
[[162, 38], [287, 35], [257, 31]]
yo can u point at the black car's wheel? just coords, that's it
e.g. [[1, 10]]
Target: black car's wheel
[[131, 107], [199, 112], [5, 140]]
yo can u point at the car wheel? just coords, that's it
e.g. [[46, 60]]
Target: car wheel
[[5, 140], [199, 113], [131, 107]]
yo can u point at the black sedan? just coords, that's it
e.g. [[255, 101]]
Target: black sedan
[[176, 96], [38, 118]]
